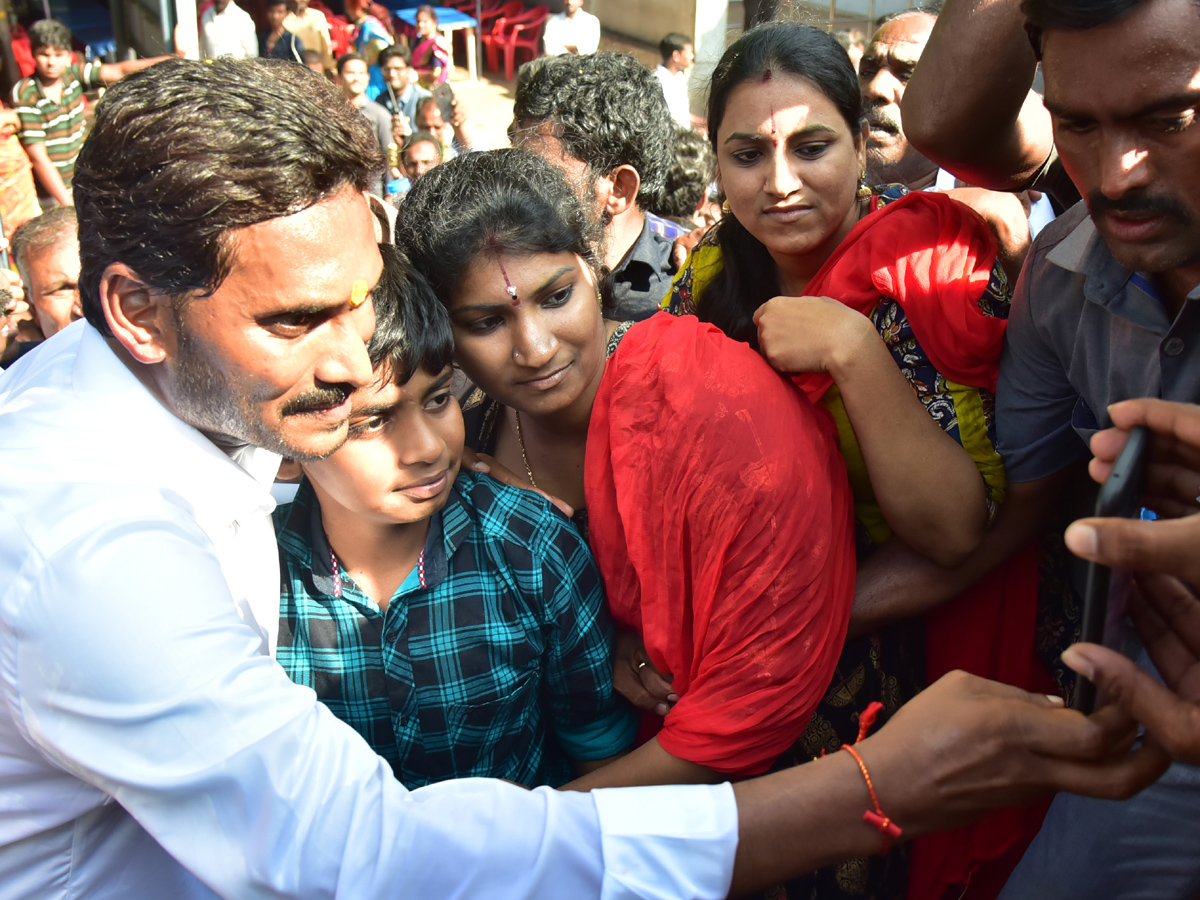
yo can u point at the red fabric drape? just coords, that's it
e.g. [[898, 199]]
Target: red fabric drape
[[935, 256], [721, 520]]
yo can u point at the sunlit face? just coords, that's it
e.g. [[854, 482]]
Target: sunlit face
[[354, 78], [418, 159], [402, 455], [52, 288], [51, 62], [425, 25], [794, 189], [395, 71], [883, 74], [429, 117], [273, 355], [1124, 99], [543, 354], [684, 58]]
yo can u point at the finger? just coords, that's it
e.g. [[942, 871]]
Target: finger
[[1069, 734], [654, 683], [1172, 720], [1146, 546], [1117, 779], [1167, 615], [1178, 420], [629, 686], [1168, 507], [1107, 445]]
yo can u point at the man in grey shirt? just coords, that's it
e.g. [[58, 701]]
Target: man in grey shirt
[[353, 77]]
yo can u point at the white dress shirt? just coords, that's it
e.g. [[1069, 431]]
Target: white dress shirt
[[149, 746], [582, 31], [675, 89], [228, 33]]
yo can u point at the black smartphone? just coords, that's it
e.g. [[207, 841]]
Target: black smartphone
[[1106, 595], [443, 96]]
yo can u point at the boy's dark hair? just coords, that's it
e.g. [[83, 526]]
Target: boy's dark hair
[[349, 57], [396, 51], [412, 329], [688, 180], [493, 202], [608, 110], [673, 43], [311, 56], [748, 278], [267, 4], [49, 33], [185, 152]]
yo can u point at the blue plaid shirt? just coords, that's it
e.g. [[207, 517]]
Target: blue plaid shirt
[[496, 663]]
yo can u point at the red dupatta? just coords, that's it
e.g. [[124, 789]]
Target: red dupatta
[[720, 516], [934, 256]]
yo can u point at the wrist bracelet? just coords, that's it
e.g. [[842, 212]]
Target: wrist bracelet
[[875, 818]]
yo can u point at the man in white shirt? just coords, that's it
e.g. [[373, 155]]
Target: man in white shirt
[[149, 745], [227, 30], [678, 56], [571, 31]]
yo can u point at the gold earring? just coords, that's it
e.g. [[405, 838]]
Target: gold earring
[[725, 206], [864, 192]]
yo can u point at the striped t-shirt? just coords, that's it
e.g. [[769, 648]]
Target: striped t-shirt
[[57, 125]]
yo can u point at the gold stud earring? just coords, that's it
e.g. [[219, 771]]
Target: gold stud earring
[[725, 206], [864, 192]]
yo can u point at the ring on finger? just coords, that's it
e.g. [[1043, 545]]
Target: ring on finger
[[641, 665]]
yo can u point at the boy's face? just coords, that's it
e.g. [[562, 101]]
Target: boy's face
[[51, 62], [402, 455]]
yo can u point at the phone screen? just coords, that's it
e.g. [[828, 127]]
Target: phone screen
[[1106, 596]]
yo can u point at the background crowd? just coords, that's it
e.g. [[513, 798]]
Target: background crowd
[[684, 448]]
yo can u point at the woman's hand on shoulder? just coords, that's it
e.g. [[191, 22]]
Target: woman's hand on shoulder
[[636, 679], [812, 334], [487, 465]]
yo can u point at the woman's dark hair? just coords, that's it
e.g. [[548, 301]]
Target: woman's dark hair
[[430, 11], [412, 330], [185, 152], [748, 278], [495, 202]]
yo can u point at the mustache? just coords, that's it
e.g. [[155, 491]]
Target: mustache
[[876, 118], [317, 399], [1139, 202]]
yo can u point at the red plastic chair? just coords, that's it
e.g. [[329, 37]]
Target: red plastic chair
[[494, 41], [524, 36]]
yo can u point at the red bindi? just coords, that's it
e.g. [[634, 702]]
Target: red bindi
[[494, 246], [774, 139]]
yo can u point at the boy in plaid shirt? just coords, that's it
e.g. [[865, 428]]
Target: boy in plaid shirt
[[456, 623]]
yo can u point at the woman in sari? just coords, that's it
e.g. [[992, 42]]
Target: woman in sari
[[801, 227], [716, 503], [431, 57]]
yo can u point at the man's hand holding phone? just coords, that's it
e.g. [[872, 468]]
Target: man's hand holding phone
[[1165, 556]]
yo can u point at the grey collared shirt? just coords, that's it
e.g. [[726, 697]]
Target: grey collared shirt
[[1084, 332], [642, 278]]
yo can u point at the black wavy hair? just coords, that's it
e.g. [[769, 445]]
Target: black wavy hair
[[183, 153], [608, 110], [748, 278], [412, 329], [499, 201], [1071, 15], [687, 182]]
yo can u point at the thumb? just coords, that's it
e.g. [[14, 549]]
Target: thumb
[[1165, 545], [1174, 722]]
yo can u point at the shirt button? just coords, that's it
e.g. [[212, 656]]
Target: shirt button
[[1173, 346]]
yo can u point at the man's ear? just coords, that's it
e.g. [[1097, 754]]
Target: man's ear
[[623, 183], [142, 320]]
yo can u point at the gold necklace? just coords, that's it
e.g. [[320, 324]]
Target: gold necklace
[[524, 458]]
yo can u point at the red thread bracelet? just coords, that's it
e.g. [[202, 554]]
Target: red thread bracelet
[[875, 818]]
